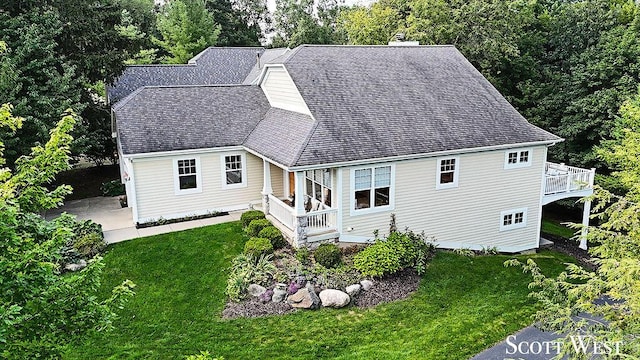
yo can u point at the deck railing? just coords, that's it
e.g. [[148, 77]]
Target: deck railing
[[563, 178], [317, 221], [281, 211]]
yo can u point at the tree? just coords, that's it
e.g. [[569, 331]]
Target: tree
[[186, 28], [616, 249], [236, 28], [374, 25], [306, 22], [40, 309]]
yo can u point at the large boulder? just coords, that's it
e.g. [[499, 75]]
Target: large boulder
[[334, 298], [256, 290], [303, 299], [354, 289], [366, 284], [75, 267]]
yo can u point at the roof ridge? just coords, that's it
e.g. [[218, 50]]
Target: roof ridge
[[316, 123], [122, 102]]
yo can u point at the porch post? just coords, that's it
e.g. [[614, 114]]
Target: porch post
[[586, 211], [266, 186], [300, 224]]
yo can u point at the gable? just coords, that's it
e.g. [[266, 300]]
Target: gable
[[281, 91]]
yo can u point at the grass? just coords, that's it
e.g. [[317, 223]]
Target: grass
[[554, 227], [463, 306]]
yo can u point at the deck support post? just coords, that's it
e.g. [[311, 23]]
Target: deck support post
[[586, 212], [300, 225], [266, 186]]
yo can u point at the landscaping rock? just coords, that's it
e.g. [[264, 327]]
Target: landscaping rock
[[303, 299], [313, 294], [366, 284], [334, 298], [354, 289], [77, 266], [266, 296], [279, 295], [256, 290]]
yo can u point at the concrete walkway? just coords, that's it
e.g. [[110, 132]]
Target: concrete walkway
[[117, 222]]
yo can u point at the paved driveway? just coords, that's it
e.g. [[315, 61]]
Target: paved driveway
[[117, 222]]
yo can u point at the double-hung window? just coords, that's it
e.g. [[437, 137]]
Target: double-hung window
[[447, 172], [187, 178], [233, 170], [513, 219], [372, 188], [517, 158]]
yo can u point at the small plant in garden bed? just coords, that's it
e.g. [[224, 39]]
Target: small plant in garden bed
[[257, 247], [274, 235], [246, 270], [163, 221], [112, 188], [328, 255]]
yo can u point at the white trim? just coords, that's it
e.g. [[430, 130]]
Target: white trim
[[456, 172], [154, 155], [223, 169], [339, 199], [176, 176], [542, 186], [285, 183], [133, 201], [365, 162], [513, 213], [372, 209], [518, 163]]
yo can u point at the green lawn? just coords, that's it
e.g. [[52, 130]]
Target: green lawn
[[463, 306], [554, 227]]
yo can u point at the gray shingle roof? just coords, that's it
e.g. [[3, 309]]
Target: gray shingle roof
[[384, 101], [214, 65], [281, 135], [266, 57], [162, 118]]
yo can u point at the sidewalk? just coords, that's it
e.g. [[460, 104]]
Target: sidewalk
[[117, 222]]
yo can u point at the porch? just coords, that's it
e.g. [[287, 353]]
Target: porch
[[305, 218], [562, 181]]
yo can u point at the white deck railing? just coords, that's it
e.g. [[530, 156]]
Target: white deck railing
[[561, 178], [317, 221], [281, 211]]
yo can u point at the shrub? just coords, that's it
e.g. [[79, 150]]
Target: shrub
[[328, 255], [255, 226], [112, 188], [249, 216], [303, 255], [377, 260], [274, 235], [245, 270], [257, 247], [89, 245]]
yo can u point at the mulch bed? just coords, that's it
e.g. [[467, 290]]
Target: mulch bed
[[391, 288], [570, 247]]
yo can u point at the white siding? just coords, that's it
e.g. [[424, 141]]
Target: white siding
[[154, 182], [465, 216], [282, 92], [277, 181]]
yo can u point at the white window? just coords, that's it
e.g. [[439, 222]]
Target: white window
[[517, 158], [234, 170], [447, 172], [187, 177], [372, 189], [318, 185], [513, 219]]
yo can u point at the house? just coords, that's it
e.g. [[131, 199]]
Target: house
[[332, 140]]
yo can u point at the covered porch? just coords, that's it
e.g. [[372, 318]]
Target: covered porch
[[563, 181], [301, 203]]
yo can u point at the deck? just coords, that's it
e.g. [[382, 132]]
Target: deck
[[562, 181]]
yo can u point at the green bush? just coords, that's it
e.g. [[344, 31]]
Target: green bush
[[112, 188], [274, 235], [90, 245], [249, 216], [246, 270], [303, 255], [257, 247], [396, 252], [328, 255], [255, 226]]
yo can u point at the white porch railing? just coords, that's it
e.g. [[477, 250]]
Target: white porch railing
[[320, 221], [560, 178], [281, 211], [317, 221]]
